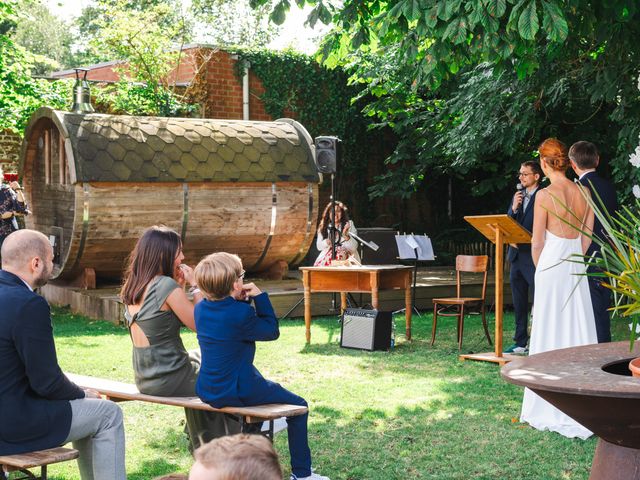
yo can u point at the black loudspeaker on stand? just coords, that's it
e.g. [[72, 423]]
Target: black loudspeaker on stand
[[366, 329], [328, 152]]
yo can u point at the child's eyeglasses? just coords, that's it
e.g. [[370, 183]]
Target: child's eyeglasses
[[242, 274]]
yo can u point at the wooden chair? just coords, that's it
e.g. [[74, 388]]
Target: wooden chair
[[457, 306]]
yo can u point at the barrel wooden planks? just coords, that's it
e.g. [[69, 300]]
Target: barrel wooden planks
[[94, 186]]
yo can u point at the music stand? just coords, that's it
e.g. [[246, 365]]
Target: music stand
[[414, 248], [500, 230]]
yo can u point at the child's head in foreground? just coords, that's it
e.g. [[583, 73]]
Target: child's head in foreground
[[220, 275], [236, 457]]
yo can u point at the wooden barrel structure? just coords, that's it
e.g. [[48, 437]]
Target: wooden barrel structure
[[94, 182]]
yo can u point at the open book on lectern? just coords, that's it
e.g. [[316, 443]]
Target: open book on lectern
[[409, 245]]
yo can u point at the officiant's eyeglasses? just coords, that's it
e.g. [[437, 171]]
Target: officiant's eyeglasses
[[521, 174]]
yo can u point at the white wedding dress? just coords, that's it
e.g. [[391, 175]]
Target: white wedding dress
[[562, 318]]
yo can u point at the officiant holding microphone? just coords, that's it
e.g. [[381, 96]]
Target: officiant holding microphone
[[523, 271]]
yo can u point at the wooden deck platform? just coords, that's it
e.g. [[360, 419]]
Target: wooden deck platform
[[103, 302]]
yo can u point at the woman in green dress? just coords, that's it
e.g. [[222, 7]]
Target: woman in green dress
[[156, 307]]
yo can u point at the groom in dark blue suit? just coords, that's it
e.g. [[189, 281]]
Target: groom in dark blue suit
[[584, 159], [523, 271]]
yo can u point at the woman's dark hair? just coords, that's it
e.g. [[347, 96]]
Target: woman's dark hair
[[153, 255], [326, 218]]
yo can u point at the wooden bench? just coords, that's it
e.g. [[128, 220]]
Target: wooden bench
[[22, 461], [120, 391]]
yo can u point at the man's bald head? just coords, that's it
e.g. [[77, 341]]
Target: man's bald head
[[21, 247]]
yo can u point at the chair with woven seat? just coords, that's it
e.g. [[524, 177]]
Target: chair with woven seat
[[458, 306]]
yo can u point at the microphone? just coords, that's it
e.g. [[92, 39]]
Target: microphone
[[520, 189]]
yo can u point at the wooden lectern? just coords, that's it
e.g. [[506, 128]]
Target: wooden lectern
[[500, 230]]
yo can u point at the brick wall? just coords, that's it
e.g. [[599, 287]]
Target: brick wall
[[222, 96], [10, 144], [224, 90]]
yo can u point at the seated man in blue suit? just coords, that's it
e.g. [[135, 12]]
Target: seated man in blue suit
[[39, 407], [228, 328], [523, 271], [585, 159]]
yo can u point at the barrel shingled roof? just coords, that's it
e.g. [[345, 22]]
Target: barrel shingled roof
[[120, 148]]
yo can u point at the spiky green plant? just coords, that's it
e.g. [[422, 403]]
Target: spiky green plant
[[619, 260]]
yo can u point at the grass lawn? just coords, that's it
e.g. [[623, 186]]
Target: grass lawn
[[416, 412]]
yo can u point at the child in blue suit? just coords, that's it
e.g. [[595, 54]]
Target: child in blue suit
[[228, 327]]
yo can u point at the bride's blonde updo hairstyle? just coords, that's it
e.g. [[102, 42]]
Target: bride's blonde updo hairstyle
[[555, 154]]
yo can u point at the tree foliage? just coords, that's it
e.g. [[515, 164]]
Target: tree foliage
[[44, 35], [234, 23], [20, 94], [148, 41], [479, 83]]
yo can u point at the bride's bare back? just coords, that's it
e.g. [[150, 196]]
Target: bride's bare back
[[561, 204], [562, 210]]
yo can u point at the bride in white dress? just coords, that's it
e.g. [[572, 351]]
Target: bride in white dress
[[562, 312]]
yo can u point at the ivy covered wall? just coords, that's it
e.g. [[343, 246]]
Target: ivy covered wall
[[296, 86]]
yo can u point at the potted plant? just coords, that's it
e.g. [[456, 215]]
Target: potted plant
[[619, 264]]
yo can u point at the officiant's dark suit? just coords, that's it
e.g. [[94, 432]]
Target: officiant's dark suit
[[585, 159], [523, 271]]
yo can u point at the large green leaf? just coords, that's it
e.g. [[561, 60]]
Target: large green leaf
[[490, 23], [496, 8], [553, 22], [476, 12], [279, 12], [443, 11], [431, 18], [456, 31], [512, 23], [411, 9], [528, 24], [397, 10], [452, 7]]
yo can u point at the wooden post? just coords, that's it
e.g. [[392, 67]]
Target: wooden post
[[408, 304], [374, 290], [306, 281], [499, 290], [499, 229], [343, 302]]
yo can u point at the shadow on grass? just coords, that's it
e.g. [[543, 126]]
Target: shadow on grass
[[449, 439], [415, 357]]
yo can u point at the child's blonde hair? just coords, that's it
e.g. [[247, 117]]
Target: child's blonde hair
[[216, 274]]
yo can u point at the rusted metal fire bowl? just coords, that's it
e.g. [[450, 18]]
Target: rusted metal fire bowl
[[593, 385]]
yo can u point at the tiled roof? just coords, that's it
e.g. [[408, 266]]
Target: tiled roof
[[112, 148]]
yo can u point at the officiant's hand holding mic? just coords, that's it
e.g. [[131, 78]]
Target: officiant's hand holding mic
[[518, 198]]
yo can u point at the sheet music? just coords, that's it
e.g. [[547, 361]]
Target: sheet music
[[407, 245]]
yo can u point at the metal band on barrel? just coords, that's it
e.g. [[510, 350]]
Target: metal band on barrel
[[302, 252], [272, 229], [185, 211], [85, 226]]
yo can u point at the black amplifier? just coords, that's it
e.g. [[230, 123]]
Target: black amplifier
[[366, 329]]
